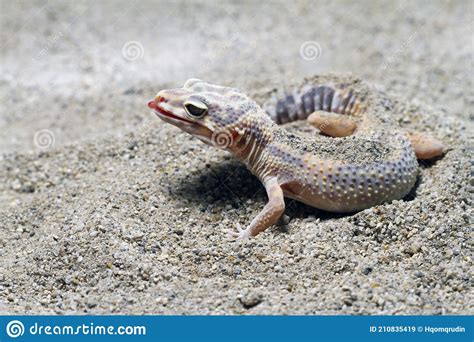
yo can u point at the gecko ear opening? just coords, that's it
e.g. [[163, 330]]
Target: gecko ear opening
[[195, 109]]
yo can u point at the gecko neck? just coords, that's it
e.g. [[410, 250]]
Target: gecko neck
[[255, 134], [258, 137]]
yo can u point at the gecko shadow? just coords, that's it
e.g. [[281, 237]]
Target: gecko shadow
[[422, 164], [412, 194], [230, 183], [223, 184]]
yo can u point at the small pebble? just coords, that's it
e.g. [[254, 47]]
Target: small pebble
[[250, 300]]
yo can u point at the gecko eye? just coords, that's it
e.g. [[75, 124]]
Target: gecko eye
[[195, 109]]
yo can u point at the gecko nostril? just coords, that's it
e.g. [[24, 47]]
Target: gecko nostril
[[159, 98]]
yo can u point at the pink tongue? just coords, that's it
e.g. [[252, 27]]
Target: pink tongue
[[152, 104]]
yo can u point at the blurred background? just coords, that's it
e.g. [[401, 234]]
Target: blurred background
[[78, 69], [106, 209]]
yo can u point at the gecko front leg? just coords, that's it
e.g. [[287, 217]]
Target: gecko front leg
[[268, 216]]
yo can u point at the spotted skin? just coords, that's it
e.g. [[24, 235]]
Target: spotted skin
[[333, 174], [332, 184]]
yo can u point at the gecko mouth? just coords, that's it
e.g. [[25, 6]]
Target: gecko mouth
[[160, 111]]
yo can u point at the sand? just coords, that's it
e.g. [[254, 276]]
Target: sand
[[104, 209]]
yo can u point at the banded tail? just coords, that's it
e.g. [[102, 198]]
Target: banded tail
[[298, 105]]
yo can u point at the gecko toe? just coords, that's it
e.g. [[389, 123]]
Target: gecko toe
[[240, 234]]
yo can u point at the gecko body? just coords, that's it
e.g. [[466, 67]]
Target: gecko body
[[363, 162]]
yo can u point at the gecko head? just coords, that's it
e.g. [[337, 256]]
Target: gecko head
[[209, 112]]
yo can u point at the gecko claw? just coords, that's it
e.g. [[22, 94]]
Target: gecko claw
[[240, 234]]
